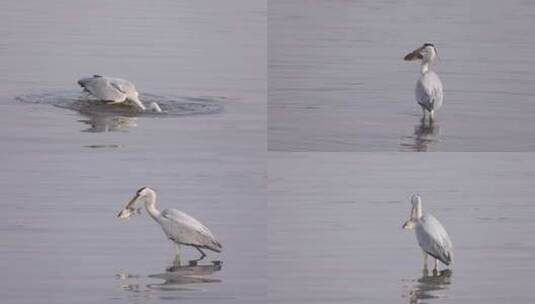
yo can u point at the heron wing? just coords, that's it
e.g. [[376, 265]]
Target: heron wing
[[101, 87], [124, 86], [433, 238], [429, 93], [185, 229]]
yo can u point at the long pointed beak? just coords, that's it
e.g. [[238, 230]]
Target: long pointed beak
[[128, 210], [414, 55]]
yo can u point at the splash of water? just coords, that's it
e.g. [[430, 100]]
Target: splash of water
[[171, 105]]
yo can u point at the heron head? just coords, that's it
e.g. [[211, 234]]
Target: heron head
[[416, 200], [129, 209], [426, 53], [415, 213], [143, 191], [83, 81], [154, 107]]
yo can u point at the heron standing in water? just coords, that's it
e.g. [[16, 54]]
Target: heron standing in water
[[115, 90], [431, 235], [180, 228], [429, 92]]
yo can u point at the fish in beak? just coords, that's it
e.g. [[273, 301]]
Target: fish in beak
[[129, 209], [414, 55], [410, 223]]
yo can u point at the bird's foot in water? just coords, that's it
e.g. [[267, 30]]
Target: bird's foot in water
[[425, 271], [173, 267], [193, 262], [174, 264]]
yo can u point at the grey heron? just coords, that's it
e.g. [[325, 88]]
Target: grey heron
[[431, 235], [429, 92], [115, 90], [179, 227]]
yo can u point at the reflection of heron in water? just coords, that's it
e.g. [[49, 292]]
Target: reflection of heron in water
[[108, 123], [188, 274], [102, 119], [430, 286], [179, 227], [425, 135], [175, 276], [115, 90], [431, 235]]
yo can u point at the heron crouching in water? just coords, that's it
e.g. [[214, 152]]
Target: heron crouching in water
[[181, 228], [115, 90]]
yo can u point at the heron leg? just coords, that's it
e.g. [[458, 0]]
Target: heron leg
[[177, 261], [203, 255], [424, 114], [177, 249], [431, 116], [436, 265], [425, 260]]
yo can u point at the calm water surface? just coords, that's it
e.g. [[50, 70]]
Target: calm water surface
[[335, 227], [65, 174], [337, 81]]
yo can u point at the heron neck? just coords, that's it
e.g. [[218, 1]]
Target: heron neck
[[150, 205], [138, 104], [418, 210], [424, 68]]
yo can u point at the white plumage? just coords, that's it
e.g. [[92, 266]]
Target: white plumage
[[429, 90], [178, 226], [433, 238], [431, 235], [186, 230], [115, 90]]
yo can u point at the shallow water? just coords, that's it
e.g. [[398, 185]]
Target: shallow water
[[65, 179], [335, 227], [337, 81]]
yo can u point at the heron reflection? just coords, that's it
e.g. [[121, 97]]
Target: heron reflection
[[174, 277], [424, 138], [431, 285], [186, 274], [108, 123]]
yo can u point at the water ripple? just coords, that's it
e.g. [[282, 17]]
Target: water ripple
[[171, 105]]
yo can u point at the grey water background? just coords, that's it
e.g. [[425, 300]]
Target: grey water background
[[65, 174], [335, 227], [337, 81]]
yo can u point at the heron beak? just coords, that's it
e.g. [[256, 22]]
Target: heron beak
[[414, 55], [128, 210]]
